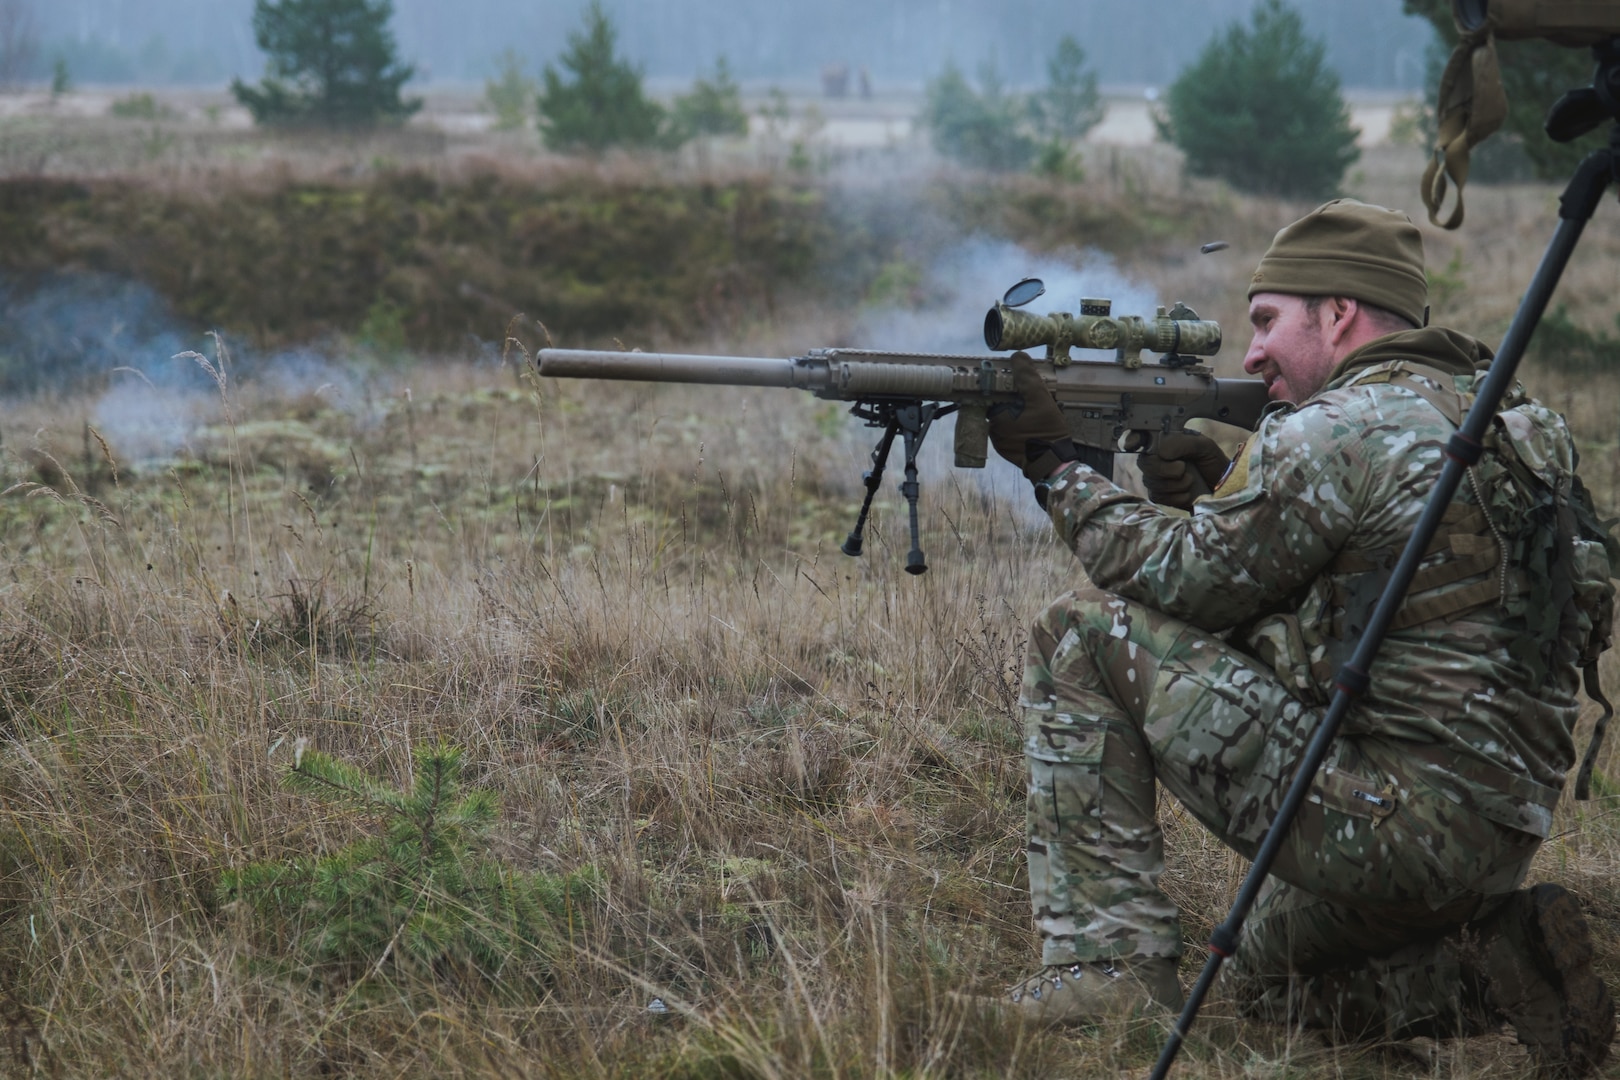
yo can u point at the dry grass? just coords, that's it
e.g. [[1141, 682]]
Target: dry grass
[[797, 774]]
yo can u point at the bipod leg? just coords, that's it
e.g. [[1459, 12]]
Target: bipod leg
[[873, 479], [914, 421], [1465, 447]]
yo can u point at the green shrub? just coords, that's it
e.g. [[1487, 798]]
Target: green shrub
[[139, 107], [984, 128], [510, 93], [602, 103], [1058, 160], [1261, 109], [1561, 343], [424, 896], [332, 63], [712, 107]]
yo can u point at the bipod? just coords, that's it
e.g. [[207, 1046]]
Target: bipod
[[1575, 113], [911, 421]]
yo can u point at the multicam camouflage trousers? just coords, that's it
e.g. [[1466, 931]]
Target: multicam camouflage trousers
[[1355, 929]]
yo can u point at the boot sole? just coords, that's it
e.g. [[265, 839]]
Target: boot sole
[[1561, 946]]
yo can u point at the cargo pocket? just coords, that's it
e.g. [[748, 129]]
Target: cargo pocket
[[1065, 778]]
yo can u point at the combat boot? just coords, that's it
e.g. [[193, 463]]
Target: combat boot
[[1533, 969], [1087, 993]]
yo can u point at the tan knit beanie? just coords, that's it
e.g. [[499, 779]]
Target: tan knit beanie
[[1348, 248]]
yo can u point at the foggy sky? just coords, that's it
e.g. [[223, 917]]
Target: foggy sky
[[903, 42]]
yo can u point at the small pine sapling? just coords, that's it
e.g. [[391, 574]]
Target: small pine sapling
[[423, 898], [713, 107]]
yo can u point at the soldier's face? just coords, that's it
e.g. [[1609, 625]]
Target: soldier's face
[[1291, 349]]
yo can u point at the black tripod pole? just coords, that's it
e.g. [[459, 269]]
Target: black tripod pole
[[1576, 207]]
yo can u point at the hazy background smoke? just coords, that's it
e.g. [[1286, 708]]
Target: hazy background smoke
[[117, 340], [1370, 42], [60, 328]]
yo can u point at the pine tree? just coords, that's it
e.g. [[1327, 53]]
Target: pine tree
[[712, 107], [1261, 109], [332, 63], [510, 92], [603, 104], [424, 896], [983, 128], [1069, 105]]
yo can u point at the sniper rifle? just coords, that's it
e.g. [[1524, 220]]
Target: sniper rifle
[[903, 393]]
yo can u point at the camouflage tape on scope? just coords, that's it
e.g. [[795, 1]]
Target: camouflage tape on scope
[[1009, 328]]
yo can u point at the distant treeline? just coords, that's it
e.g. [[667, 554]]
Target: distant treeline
[[1370, 43]]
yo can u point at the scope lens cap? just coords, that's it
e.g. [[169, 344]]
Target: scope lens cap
[[1023, 292]]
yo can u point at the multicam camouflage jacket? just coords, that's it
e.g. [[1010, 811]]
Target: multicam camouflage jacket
[[1291, 552]]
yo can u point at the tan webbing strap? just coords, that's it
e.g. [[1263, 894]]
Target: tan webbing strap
[[1474, 555], [1423, 609], [1472, 106], [1459, 520], [1465, 533], [1418, 609]]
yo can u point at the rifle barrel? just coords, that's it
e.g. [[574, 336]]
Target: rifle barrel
[[670, 367]]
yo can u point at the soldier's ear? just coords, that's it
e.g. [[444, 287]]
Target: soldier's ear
[[1340, 309]]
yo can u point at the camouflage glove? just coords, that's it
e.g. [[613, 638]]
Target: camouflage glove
[[1182, 467], [1031, 433]]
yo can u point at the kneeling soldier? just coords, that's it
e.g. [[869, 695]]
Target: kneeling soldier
[[1201, 659]]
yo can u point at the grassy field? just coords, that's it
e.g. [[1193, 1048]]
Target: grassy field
[[792, 780]]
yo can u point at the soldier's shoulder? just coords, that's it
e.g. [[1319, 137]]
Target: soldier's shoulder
[[1423, 401], [1340, 414]]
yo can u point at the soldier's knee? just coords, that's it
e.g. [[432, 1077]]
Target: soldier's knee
[[1063, 638], [1076, 610]]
